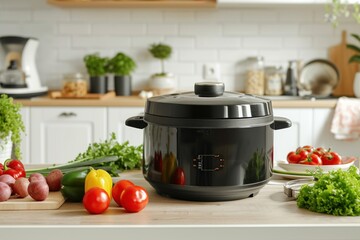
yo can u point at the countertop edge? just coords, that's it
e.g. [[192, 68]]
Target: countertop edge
[[135, 101]]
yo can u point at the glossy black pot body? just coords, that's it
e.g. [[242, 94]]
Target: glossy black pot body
[[208, 145], [207, 164]]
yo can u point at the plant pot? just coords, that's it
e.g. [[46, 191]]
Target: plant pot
[[357, 85], [122, 85], [99, 84], [162, 84], [5, 149]]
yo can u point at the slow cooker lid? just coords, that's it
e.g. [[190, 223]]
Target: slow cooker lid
[[208, 101]]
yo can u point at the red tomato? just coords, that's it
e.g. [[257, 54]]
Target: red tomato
[[118, 188], [295, 157], [312, 159], [331, 158], [134, 198], [178, 176], [319, 151], [307, 148], [96, 200]]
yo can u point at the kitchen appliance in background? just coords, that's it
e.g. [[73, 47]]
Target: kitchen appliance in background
[[290, 87], [208, 145], [19, 77]]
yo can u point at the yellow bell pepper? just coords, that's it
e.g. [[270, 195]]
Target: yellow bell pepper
[[99, 178]]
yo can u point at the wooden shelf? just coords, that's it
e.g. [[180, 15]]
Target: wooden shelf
[[134, 3]]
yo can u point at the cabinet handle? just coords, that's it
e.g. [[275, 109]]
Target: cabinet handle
[[67, 114]]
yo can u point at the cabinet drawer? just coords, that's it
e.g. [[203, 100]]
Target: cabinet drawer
[[59, 134]]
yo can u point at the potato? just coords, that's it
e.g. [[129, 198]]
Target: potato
[[6, 178], [54, 180], [38, 190], [9, 180], [21, 187], [5, 192], [36, 177]]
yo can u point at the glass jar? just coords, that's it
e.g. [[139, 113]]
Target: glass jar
[[273, 81], [255, 77], [74, 85]]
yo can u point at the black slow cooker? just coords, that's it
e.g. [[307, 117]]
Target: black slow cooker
[[208, 145]]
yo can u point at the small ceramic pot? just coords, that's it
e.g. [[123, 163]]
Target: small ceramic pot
[[99, 84], [122, 85], [163, 84], [5, 149]]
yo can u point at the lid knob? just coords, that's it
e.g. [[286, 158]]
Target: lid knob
[[209, 89]]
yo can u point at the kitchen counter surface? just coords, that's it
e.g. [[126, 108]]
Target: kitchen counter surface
[[135, 101], [269, 215]]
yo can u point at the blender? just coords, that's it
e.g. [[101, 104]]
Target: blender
[[19, 77]]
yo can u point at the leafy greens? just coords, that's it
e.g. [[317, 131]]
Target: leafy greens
[[336, 193]]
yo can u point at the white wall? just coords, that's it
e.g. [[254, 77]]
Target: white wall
[[225, 36]]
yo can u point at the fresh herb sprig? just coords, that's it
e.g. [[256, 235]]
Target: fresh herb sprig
[[109, 155], [128, 156]]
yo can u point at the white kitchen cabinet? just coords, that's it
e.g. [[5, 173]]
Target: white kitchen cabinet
[[116, 122], [59, 134], [25, 136], [322, 136], [300, 133]]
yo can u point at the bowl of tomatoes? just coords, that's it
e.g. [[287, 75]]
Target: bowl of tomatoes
[[309, 158]]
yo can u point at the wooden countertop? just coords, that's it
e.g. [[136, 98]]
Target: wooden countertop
[[135, 101], [270, 214]]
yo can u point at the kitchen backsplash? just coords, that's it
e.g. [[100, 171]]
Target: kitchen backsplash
[[198, 36]]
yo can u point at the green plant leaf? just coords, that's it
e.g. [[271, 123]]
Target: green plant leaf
[[96, 66], [121, 64], [353, 47], [356, 36], [160, 51], [355, 58], [11, 123]]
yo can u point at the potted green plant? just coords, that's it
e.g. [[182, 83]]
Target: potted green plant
[[97, 68], [11, 127], [162, 82], [121, 65], [356, 59]]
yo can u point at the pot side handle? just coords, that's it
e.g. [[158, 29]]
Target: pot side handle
[[136, 122], [280, 123]]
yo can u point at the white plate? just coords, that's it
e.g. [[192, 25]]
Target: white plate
[[280, 172], [304, 169], [319, 76]]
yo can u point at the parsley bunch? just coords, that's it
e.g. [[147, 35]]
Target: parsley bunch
[[128, 156], [336, 193]]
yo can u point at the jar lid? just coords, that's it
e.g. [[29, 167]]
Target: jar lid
[[208, 105]]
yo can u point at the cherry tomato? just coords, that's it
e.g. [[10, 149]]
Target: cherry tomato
[[307, 148], [134, 198], [312, 159], [331, 158], [1, 169], [178, 176], [96, 200], [295, 157], [118, 188], [320, 151]]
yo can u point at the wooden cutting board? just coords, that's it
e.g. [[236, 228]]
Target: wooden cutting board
[[340, 55], [58, 95], [53, 201]]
